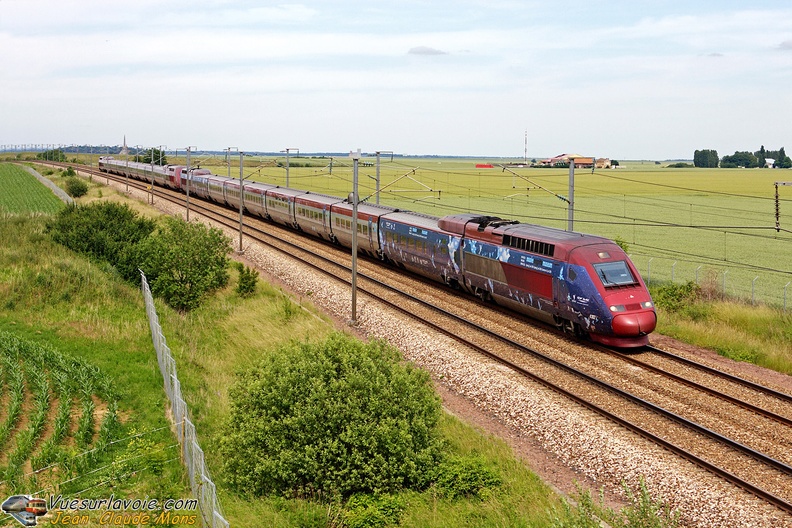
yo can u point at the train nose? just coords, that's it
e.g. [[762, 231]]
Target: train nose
[[634, 324]]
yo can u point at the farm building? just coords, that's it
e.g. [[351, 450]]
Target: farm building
[[584, 162]]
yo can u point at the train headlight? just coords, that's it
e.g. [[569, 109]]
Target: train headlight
[[647, 304], [618, 308]]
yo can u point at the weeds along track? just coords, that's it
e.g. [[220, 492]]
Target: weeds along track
[[741, 434]]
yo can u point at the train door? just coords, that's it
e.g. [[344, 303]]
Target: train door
[[560, 287], [371, 234]]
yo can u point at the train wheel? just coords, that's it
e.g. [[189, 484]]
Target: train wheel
[[483, 294]]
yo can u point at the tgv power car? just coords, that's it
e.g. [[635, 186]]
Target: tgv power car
[[581, 283]]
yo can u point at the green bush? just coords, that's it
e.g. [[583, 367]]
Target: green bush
[[335, 419], [619, 241], [248, 279], [373, 511], [465, 477], [675, 297], [75, 187], [184, 262], [103, 231]]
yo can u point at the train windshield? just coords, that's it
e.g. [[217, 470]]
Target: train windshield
[[614, 273]]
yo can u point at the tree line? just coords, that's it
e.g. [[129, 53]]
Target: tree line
[[749, 160]]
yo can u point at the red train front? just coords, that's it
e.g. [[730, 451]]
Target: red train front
[[606, 296]]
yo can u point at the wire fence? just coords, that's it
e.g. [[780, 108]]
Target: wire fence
[[754, 286], [203, 487]]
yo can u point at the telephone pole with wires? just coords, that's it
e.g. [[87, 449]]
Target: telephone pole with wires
[[778, 205]]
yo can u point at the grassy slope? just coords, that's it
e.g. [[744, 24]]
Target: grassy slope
[[54, 297]]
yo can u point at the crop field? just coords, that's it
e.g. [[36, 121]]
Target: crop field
[[81, 411], [713, 226], [60, 418], [23, 194]]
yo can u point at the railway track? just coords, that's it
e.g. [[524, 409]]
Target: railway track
[[767, 476]]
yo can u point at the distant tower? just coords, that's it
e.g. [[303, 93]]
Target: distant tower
[[124, 149]]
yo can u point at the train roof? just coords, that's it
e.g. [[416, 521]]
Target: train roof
[[364, 208], [317, 198], [413, 218], [533, 238]]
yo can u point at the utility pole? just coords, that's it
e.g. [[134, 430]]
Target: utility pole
[[377, 188], [778, 205], [241, 197], [287, 162], [354, 199], [189, 151], [571, 215]]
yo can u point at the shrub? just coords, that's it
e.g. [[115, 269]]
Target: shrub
[[619, 241], [336, 418], [465, 477], [676, 297], [103, 231], [369, 511], [184, 262], [248, 279], [75, 187]]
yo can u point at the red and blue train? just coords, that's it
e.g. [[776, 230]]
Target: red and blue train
[[581, 283]]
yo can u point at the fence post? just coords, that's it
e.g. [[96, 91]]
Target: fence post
[[649, 270], [724, 282], [753, 289], [697, 270], [673, 267], [785, 289]]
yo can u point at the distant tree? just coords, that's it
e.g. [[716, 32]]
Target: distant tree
[[740, 159], [153, 154], [761, 157], [614, 163], [783, 161], [705, 158], [52, 155]]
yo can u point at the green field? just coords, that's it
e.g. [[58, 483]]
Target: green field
[[22, 193]]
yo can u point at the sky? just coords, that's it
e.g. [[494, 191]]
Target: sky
[[619, 79]]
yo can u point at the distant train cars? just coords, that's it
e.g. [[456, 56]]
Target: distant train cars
[[581, 283]]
